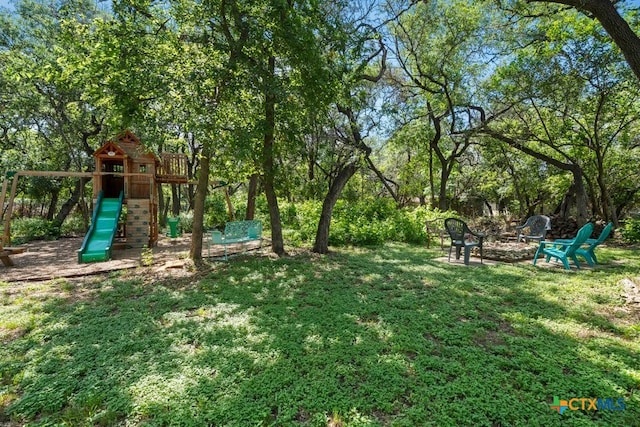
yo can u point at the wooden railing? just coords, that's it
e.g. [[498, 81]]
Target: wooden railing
[[172, 169]]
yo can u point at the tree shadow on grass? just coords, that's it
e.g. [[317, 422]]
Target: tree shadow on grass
[[371, 337]]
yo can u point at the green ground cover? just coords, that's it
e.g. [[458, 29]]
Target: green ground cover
[[362, 337]]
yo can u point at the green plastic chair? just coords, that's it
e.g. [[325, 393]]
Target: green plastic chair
[[564, 252], [462, 238], [587, 250], [538, 225]]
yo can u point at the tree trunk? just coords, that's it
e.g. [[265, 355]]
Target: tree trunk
[[576, 197], [162, 221], [277, 241], [175, 199], [582, 214], [55, 196], [84, 209], [68, 206], [489, 208], [442, 193], [321, 244], [432, 183], [251, 197], [608, 210], [202, 189], [192, 166]]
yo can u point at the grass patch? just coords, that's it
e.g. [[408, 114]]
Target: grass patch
[[361, 337]]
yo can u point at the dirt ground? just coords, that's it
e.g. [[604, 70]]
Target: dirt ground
[[46, 260]]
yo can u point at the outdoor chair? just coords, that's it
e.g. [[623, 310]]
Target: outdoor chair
[[462, 238], [587, 249], [538, 226], [433, 228], [564, 252]]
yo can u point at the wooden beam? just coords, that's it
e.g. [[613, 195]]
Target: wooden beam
[[5, 185], [79, 174], [56, 173], [7, 223]]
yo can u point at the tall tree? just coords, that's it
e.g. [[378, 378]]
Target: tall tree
[[363, 61], [279, 47], [44, 103], [564, 109], [441, 49], [607, 14]]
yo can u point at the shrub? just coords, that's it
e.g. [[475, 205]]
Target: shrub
[[215, 211], [300, 220], [631, 230], [289, 215], [367, 222], [73, 226], [27, 229], [186, 221], [239, 204]]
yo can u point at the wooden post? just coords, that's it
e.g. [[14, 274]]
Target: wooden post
[[153, 213], [7, 223], [3, 196]]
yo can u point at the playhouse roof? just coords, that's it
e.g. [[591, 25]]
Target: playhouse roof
[[126, 144]]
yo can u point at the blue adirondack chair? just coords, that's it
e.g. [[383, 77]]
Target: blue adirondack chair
[[587, 249], [564, 252]]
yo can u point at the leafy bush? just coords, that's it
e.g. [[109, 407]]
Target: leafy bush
[[300, 220], [631, 230], [367, 222], [27, 229], [413, 227], [186, 221], [239, 205], [289, 215], [215, 211], [73, 226]]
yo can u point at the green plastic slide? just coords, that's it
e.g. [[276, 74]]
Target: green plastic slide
[[99, 239]]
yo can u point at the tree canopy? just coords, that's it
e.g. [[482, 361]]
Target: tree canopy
[[519, 106]]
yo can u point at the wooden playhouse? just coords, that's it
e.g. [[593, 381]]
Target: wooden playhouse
[[125, 165]]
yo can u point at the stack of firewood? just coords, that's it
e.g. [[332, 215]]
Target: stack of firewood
[[562, 228], [491, 227], [567, 228]]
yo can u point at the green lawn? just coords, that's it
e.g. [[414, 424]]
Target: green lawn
[[362, 337]]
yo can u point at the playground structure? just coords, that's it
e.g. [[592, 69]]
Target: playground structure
[[125, 171], [98, 241]]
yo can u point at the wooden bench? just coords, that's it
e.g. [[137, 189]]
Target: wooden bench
[[5, 255], [435, 227], [236, 232]]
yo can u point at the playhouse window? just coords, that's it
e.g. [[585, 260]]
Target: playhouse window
[[143, 168], [112, 167]]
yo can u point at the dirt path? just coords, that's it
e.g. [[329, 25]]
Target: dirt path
[[46, 260]]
